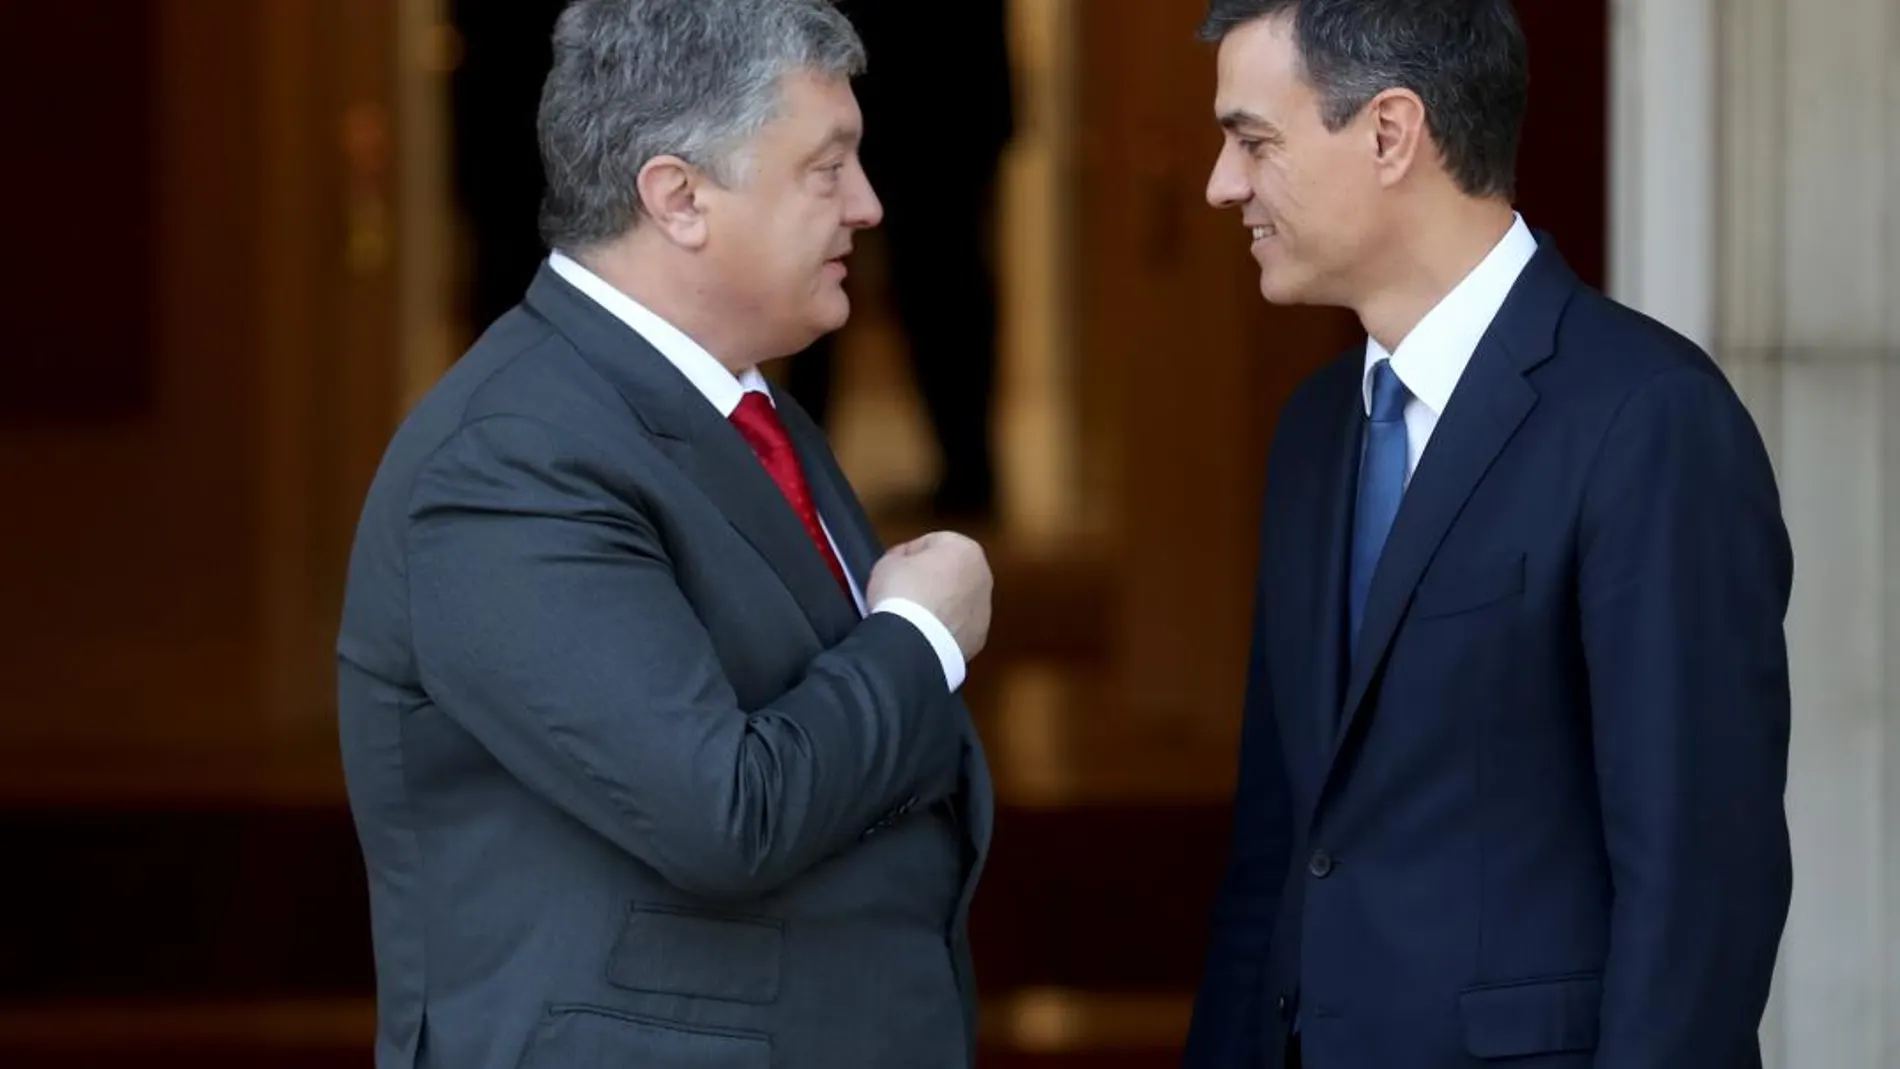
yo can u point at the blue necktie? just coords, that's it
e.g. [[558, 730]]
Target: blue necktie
[[1381, 484]]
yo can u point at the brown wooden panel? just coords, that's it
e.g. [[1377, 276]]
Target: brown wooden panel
[[79, 186], [181, 1032], [1108, 897], [184, 903], [172, 582], [1186, 364], [129, 550], [1033, 1030]]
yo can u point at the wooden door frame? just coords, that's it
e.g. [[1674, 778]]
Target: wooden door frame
[[1187, 364], [354, 291]]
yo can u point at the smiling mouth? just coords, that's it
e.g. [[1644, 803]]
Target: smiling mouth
[[1262, 232]]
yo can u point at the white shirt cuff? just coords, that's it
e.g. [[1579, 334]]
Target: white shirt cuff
[[933, 629]]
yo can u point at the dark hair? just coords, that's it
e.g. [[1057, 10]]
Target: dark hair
[[1464, 58]]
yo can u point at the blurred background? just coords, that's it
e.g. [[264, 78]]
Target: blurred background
[[247, 234]]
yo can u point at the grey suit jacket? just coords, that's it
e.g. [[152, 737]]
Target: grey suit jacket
[[635, 783]]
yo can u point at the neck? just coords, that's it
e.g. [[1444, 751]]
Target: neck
[[666, 283], [1429, 261]]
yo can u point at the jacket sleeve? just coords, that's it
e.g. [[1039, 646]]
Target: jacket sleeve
[[1685, 570], [548, 623]]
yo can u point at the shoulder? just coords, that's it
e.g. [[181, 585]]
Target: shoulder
[[1625, 342], [525, 367], [522, 371], [1661, 406], [1608, 349], [1614, 367], [521, 397]]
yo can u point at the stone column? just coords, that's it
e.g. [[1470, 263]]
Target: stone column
[[1803, 269], [1663, 154]]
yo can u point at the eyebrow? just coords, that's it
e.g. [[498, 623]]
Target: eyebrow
[[1238, 118], [846, 137]]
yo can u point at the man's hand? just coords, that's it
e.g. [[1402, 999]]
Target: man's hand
[[946, 573]]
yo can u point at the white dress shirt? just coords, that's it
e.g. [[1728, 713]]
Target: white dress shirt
[[723, 391], [1431, 359]]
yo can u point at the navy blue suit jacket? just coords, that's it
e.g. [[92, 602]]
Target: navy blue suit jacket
[[1537, 815]]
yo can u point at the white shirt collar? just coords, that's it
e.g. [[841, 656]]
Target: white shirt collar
[[1432, 358], [719, 385]]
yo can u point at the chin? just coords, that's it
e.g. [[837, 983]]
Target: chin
[[1277, 293], [1279, 290], [832, 312]]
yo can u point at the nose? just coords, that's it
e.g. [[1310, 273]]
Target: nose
[[1227, 183], [862, 209]]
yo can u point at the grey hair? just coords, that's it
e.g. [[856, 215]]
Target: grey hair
[[636, 79]]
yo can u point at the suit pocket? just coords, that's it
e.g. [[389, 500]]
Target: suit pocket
[[572, 1037], [1462, 588], [1531, 1017], [674, 951]]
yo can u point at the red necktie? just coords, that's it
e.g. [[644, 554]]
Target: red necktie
[[758, 422]]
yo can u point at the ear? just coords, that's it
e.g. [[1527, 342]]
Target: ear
[[669, 190], [1400, 133]]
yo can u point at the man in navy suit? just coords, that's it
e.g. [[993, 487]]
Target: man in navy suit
[[1517, 721]]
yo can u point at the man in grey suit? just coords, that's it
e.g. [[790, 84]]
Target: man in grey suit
[[655, 758]]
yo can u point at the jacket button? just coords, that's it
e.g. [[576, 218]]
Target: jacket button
[[1279, 1006], [1320, 864]]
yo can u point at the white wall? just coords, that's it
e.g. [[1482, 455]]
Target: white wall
[[1756, 207]]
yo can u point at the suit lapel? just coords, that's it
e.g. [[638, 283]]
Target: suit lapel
[[1484, 412], [724, 467], [1341, 474], [1322, 507], [1487, 408], [704, 446]]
